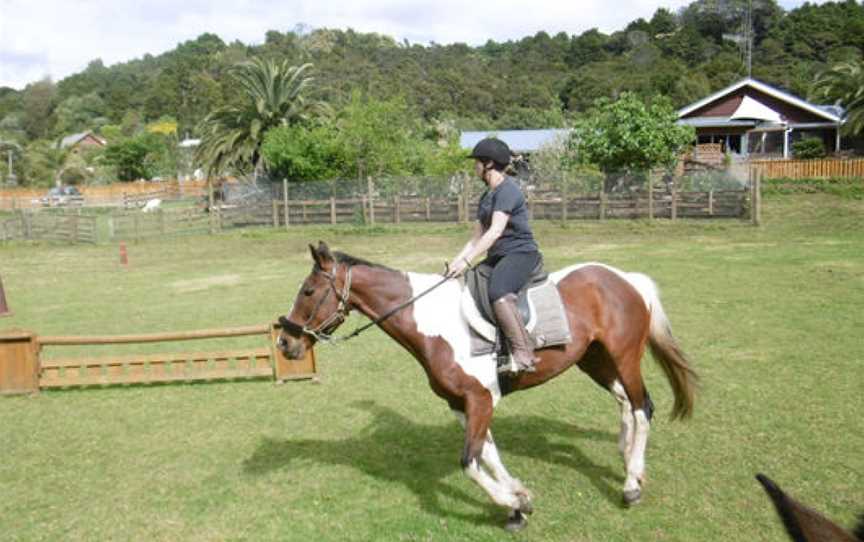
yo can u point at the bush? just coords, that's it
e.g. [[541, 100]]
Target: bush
[[809, 148]]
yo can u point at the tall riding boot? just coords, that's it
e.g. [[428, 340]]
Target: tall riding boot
[[521, 344]]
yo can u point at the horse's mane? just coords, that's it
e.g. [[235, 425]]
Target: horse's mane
[[349, 260]]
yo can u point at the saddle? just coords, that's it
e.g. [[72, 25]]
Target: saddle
[[477, 280], [539, 304]]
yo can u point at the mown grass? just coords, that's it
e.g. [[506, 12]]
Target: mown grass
[[771, 318]]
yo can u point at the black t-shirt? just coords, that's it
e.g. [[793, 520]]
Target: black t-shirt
[[517, 236]]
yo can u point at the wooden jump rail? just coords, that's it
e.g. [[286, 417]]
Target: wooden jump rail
[[22, 369]]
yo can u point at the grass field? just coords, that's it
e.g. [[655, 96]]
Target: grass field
[[771, 318]]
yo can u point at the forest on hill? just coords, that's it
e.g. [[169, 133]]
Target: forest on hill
[[540, 81]]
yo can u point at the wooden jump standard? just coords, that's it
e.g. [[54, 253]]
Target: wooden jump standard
[[22, 369]]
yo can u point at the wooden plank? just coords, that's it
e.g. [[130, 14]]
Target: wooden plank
[[154, 337], [132, 359], [148, 378]]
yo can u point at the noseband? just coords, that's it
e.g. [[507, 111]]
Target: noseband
[[323, 331]]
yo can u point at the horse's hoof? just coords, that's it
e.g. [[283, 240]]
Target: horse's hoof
[[516, 521], [632, 497], [525, 505]]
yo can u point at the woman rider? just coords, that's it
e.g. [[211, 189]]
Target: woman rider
[[502, 229]]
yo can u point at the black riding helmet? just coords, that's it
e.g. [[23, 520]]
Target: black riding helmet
[[492, 149]]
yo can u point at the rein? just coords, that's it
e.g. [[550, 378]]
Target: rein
[[322, 332]]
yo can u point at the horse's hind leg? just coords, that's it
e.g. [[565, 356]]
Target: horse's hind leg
[[624, 382], [635, 423]]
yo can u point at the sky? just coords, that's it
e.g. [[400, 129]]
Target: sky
[[56, 38]]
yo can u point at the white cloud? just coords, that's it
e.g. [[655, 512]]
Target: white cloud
[[57, 38]]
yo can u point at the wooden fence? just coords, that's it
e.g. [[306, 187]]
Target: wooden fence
[[803, 169], [71, 227], [113, 195], [24, 370], [545, 206]]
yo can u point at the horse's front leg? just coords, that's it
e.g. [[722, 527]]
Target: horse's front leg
[[504, 491]]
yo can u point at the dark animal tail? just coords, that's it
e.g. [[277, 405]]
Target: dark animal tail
[[804, 524], [682, 378]]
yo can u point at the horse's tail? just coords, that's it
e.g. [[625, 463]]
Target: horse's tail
[[665, 349]]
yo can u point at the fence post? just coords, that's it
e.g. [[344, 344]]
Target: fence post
[[650, 198], [466, 212], [210, 200], [275, 204], [602, 204], [711, 202], [564, 198], [674, 211], [756, 200], [428, 209], [332, 210], [460, 207], [285, 200], [370, 188]]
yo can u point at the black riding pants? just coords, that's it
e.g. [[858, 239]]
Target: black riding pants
[[510, 272]]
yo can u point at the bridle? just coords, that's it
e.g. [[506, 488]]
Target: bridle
[[322, 332]]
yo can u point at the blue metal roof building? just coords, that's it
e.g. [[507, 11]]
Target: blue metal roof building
[[519, 141]]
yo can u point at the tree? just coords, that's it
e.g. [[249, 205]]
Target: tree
[[130, 157], [232, 135], [843, 85], [629, 137]]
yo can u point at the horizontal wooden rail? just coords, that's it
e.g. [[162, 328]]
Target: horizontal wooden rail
[[58, 340]]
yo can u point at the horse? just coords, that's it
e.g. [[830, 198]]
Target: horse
[[804, 524], [612, 317]]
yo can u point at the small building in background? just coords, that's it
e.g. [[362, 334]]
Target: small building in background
[[84, 140], [753, 119]]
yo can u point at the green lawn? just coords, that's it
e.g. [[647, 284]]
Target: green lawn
[[771, 318]]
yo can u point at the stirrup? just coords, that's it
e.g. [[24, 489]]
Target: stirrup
[[512, 367]]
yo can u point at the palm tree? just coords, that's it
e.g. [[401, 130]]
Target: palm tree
[[232, 136], [843, 85]]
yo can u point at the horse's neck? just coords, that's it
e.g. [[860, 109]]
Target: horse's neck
[[374, 290]]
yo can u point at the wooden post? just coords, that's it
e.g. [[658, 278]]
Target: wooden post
[[275, 204], [650, 198], [370, 191], [711, 203], [211, 210], [460, 207], [4, 307], [564, 191], [602, 204], [363, 208], [285, 200], [428, 209], [396, 210], [19, 362], [332, 210], [674, 212], [466, 212], [757, 198]]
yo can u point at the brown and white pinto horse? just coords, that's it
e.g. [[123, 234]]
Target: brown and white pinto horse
[[612, 315]]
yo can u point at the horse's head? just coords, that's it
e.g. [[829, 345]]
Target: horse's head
[[320, 307]]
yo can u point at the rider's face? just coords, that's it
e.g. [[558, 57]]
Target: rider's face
[[479, 169]]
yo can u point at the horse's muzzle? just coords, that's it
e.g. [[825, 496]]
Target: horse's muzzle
[[290, 347]]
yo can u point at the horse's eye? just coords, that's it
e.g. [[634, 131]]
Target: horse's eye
[[308, 291]]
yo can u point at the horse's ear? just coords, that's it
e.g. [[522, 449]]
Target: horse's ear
[[314, 253], [324, 252]]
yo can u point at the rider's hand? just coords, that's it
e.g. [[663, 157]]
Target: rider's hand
[[456, 268]]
